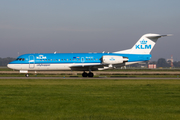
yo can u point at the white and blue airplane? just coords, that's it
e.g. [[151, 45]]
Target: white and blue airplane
[[87, 61]]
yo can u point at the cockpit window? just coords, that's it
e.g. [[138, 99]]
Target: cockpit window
[[20, 59]]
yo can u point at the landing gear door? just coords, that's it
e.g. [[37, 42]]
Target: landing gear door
[[31, 61]]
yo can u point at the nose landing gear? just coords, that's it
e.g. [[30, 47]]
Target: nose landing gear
[[90, 74]]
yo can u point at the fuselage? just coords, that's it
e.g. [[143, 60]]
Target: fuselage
[[87, 61], [65, 61]]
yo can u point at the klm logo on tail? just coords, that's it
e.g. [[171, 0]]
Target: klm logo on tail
[[143, 45]]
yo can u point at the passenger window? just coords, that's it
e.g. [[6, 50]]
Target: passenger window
[[48, 59], [59, 59], [51, 59], [67, 59], [23, 59]]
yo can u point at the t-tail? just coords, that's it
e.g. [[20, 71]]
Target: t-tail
[[144, 45]]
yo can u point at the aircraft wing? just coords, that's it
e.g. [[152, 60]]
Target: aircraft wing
[[93, 67], [87, 67]]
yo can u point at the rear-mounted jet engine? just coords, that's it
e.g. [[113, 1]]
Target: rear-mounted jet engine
[[106, 59]]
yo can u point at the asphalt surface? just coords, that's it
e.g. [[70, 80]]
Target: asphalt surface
[[95, 73], [131, 78], [101, 72]]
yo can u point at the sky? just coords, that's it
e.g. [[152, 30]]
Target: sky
[[80, 26]]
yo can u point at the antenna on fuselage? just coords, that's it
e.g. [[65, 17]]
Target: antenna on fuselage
[[55, 52]]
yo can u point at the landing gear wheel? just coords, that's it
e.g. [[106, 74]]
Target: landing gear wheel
[[90, 74], [27, 75], [84, 74]]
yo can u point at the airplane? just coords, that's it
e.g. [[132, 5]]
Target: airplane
[[87, 61]]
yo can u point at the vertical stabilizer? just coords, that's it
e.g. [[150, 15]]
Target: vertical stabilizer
[[144, 45]]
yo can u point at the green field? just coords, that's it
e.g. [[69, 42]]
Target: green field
[[89, 99]]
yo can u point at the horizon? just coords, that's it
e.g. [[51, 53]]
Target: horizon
[[87, 26]]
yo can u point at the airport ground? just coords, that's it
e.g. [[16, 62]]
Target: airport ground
[[107, 96], [119, 73], [133, 73], [85, 99]]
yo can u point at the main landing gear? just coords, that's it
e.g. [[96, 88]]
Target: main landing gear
[[27, 75], [90, 74]]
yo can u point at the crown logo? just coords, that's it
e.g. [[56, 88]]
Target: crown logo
[[143, 42]]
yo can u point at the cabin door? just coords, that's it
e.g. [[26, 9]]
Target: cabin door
[[31, 61], [82, 59]]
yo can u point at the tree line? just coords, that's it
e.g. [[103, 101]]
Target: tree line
[[163, 63], [160, 63], [5, 61]]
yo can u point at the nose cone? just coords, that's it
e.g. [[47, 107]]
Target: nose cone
[[14, 65], [10, 66]]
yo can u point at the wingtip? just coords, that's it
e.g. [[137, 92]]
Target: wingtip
[[169, 34]]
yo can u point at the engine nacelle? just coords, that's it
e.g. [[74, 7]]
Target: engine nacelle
[[107, 59]]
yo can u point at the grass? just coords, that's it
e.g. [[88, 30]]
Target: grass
[[5, 69], [89, 99], [146, 69]]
